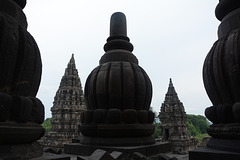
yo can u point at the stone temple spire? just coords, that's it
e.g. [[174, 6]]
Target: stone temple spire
[[70, 90], [171, 95], [67, 107], [173, 121]]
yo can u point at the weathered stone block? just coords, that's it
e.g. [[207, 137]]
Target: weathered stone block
[[114, 116], [99, 116], [88, 116], [130, 116], [5, 106], [142, 116]]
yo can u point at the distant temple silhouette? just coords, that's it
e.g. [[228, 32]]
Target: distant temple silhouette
[[174, 122], [67, 107]]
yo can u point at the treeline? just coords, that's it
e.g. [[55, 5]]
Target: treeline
[[47, 124], [197, 124]]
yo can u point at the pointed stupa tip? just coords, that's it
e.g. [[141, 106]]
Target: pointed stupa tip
[[171, 89], [118, 24], [170, 82], [72, 60]]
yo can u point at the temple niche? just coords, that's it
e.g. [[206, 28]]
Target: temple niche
[[173, 122], [67, 107]]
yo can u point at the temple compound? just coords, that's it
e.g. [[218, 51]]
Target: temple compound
[[173, 122], [67, 107]]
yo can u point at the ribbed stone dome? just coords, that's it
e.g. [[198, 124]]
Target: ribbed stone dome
[[120, 85], [118, 82], [20, 62]]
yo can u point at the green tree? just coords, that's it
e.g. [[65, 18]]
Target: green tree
[[192, 131], [199, 122], [47, 124], [197, 126], [157, 131], [156, 124], [200, 137]]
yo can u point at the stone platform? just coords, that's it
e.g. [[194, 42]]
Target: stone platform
[[147, 150], [212, 154], [217, 149], [20, 151]]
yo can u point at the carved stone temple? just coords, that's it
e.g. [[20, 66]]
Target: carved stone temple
[[221, 77], [118, 94], [21, 113], [173, 122], [67, 107]]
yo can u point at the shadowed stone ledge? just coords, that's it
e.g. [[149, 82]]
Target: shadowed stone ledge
[[147, 150]]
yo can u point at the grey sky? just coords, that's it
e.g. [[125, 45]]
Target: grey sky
[[171, 39]]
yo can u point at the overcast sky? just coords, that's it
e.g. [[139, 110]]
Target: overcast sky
[[171, 39]]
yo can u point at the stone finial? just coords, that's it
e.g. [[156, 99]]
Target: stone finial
[[118, 44], [118, 24], [21, 3], [225, 7]]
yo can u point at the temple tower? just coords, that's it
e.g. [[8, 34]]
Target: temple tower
[[173, 121], [67, 107]]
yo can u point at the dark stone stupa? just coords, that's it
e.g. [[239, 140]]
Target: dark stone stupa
[[21, 113], [221, 76], [118, 94]]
